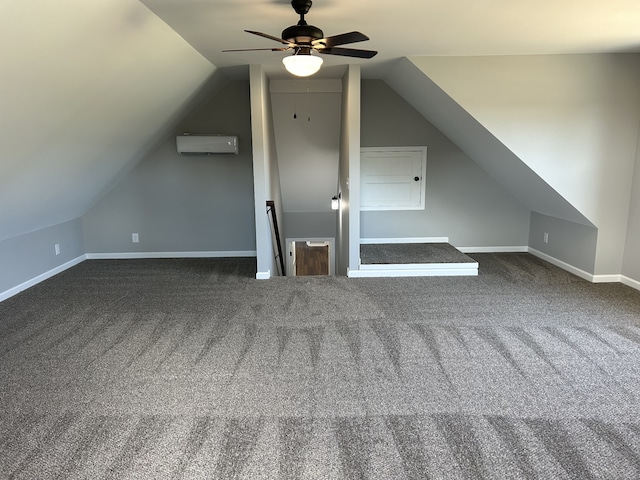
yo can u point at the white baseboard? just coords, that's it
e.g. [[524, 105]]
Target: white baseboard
[[263, 275], [500, 249], [128, 255], [609, 278], [420, 266], [565, 266], [416, 270], [426, 271], [377, 241], [606, 278], [465, 269], [503, 249], [41, 278], [630, 282], [117, 256]]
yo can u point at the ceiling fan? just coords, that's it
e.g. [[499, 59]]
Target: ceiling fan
[[304, 39]]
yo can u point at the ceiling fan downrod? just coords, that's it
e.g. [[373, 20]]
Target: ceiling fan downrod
[[302, 32]]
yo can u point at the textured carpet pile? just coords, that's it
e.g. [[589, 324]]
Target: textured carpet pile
[[191, 369], [403, 253]]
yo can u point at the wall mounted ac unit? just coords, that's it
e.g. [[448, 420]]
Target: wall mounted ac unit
[[207, 144]]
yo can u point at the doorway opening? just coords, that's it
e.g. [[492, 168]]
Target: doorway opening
[[307, 256]]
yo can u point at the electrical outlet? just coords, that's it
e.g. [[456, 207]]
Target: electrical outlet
[[56, 247], [546, 237], [135, 238]]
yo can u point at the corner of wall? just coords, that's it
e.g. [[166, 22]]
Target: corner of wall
[[568, 242], [33, 257]]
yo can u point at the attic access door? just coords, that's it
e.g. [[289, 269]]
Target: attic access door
[[393, 178], [310, 257]]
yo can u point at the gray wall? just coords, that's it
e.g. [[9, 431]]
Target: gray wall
[[311, 225], [572, 119], [570, 242], [184, 203], [68, 130], [24, 257], [462, 201], [308, 149], [631, 265]]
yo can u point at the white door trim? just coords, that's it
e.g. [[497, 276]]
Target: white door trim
[[388, 176], [291, 254]]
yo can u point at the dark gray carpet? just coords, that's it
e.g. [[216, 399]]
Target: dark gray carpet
[[403, 253], [160, 369]]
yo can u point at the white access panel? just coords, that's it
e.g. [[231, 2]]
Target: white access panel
[[393, 178]]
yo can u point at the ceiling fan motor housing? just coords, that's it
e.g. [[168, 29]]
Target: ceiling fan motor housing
[[302, 33], [304, 38]]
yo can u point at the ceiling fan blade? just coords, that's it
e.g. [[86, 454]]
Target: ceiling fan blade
[[342, 39], [258, 49], [270, 37], [348, 52]]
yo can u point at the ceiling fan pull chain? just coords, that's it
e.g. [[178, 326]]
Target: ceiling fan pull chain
[[295, 115], [308, 103]]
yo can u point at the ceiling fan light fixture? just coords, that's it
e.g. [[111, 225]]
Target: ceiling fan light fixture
[[302, 65]]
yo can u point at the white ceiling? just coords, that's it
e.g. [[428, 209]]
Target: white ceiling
[[406, 28]]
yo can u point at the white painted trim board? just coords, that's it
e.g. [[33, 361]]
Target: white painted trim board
[[290, 253], [630, 282], [424, 272], [263, 275], [420, 266], [132, 255], [378, 241], [610, 278], [635, 284], [41, 278], [117, 256], [565, 266], [512, 249]]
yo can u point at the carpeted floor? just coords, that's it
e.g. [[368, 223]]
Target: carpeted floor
[[402, 253], [160, 369]]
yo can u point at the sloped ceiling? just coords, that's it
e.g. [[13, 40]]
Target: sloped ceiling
[[573, 119], [89, 87], [405, 28], [435, 29], [479, 143], [86, 88]]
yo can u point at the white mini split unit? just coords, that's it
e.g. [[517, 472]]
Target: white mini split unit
[[207, 144]]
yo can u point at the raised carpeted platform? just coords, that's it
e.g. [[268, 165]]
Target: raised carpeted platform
[[413, 260], [411, 253]]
